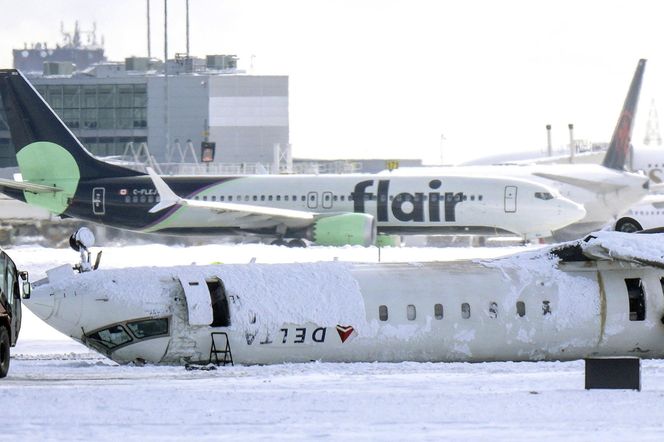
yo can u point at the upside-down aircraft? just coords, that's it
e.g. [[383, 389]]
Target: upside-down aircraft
[[59, 174], [598, 297]]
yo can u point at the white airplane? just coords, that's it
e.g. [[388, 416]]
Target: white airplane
[[61, 176], [606, 191], [598, 297]]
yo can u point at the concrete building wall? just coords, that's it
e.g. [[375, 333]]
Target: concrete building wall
[[187, 115], [248, 115]]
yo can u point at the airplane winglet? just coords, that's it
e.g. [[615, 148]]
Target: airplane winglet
[[167, 197]]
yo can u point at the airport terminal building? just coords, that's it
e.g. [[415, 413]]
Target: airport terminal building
[[110, 105]]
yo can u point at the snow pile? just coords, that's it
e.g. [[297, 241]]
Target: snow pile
[[262, 297], [269, 296]]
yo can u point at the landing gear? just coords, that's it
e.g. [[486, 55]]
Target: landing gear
[[296, 243], [292, 243], [279, 242]]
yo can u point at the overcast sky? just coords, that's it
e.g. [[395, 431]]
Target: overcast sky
[[390, 78]]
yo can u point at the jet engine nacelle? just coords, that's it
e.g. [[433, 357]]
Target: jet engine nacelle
[[344, 229]]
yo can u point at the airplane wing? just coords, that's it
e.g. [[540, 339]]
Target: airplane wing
[[28, 187], [253, 215], [593, 186]]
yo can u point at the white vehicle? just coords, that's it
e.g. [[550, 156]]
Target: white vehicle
[[598, 297], [60, 175], [606, 191], [648, 214]]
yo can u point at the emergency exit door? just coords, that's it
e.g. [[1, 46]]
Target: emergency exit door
[[510, 199]]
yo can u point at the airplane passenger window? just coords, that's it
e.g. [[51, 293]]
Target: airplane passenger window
[[286, 198], [143, 198], [230, 197], [382, 313], [134, 199], [334, 198], [521, 308], [493, 310], [438, 311], [410, 312], [262, 197], [269, 198], [149, 328], [472, 197], [127, 199], [246, 197], [278, 197], [204, 197], [214, 197], [546, 308], [465, 310], [150, 198], [479, 198], [303, 198], [255, 198], [343, 197]]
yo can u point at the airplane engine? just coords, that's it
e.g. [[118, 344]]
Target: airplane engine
[[344, 229]]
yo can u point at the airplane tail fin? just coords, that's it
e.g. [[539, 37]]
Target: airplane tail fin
[[46, 150], [618, 152]]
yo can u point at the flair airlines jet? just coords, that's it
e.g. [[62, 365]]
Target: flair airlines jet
[[606, 191], [61, 176], [600, 297]]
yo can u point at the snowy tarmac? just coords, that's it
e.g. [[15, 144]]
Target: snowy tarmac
[[59, 390]]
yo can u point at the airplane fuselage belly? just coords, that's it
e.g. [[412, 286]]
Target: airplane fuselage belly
[[461, 311]]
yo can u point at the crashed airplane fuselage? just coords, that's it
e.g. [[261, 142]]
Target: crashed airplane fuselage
[[590, 298]]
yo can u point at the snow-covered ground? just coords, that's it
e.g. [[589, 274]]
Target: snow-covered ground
[[59, 390]]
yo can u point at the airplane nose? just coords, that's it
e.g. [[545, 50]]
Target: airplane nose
[[41, 303], [571, 211], [58, 308]]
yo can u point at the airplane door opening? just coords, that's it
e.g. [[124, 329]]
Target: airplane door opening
[[220, 313], [510, 199], [98, 203], [312, 200], [327, 200]]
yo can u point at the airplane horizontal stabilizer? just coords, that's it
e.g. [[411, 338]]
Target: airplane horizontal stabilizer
[[167, 197], [593, 186], [28, 187]]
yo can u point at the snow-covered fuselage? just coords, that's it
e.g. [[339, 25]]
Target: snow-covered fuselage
[[526, 307]]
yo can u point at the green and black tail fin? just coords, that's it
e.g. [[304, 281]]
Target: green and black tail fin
[[618, 152], [46, 150]]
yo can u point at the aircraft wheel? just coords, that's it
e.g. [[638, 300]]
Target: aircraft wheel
[[628, 225], [4, 352], [279, 242], [296, 243]]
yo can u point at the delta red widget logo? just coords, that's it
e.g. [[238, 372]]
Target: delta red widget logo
[[345, 332]]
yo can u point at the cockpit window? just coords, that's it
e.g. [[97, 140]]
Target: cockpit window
[[149, 328], [110, 337], [543, 196]]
